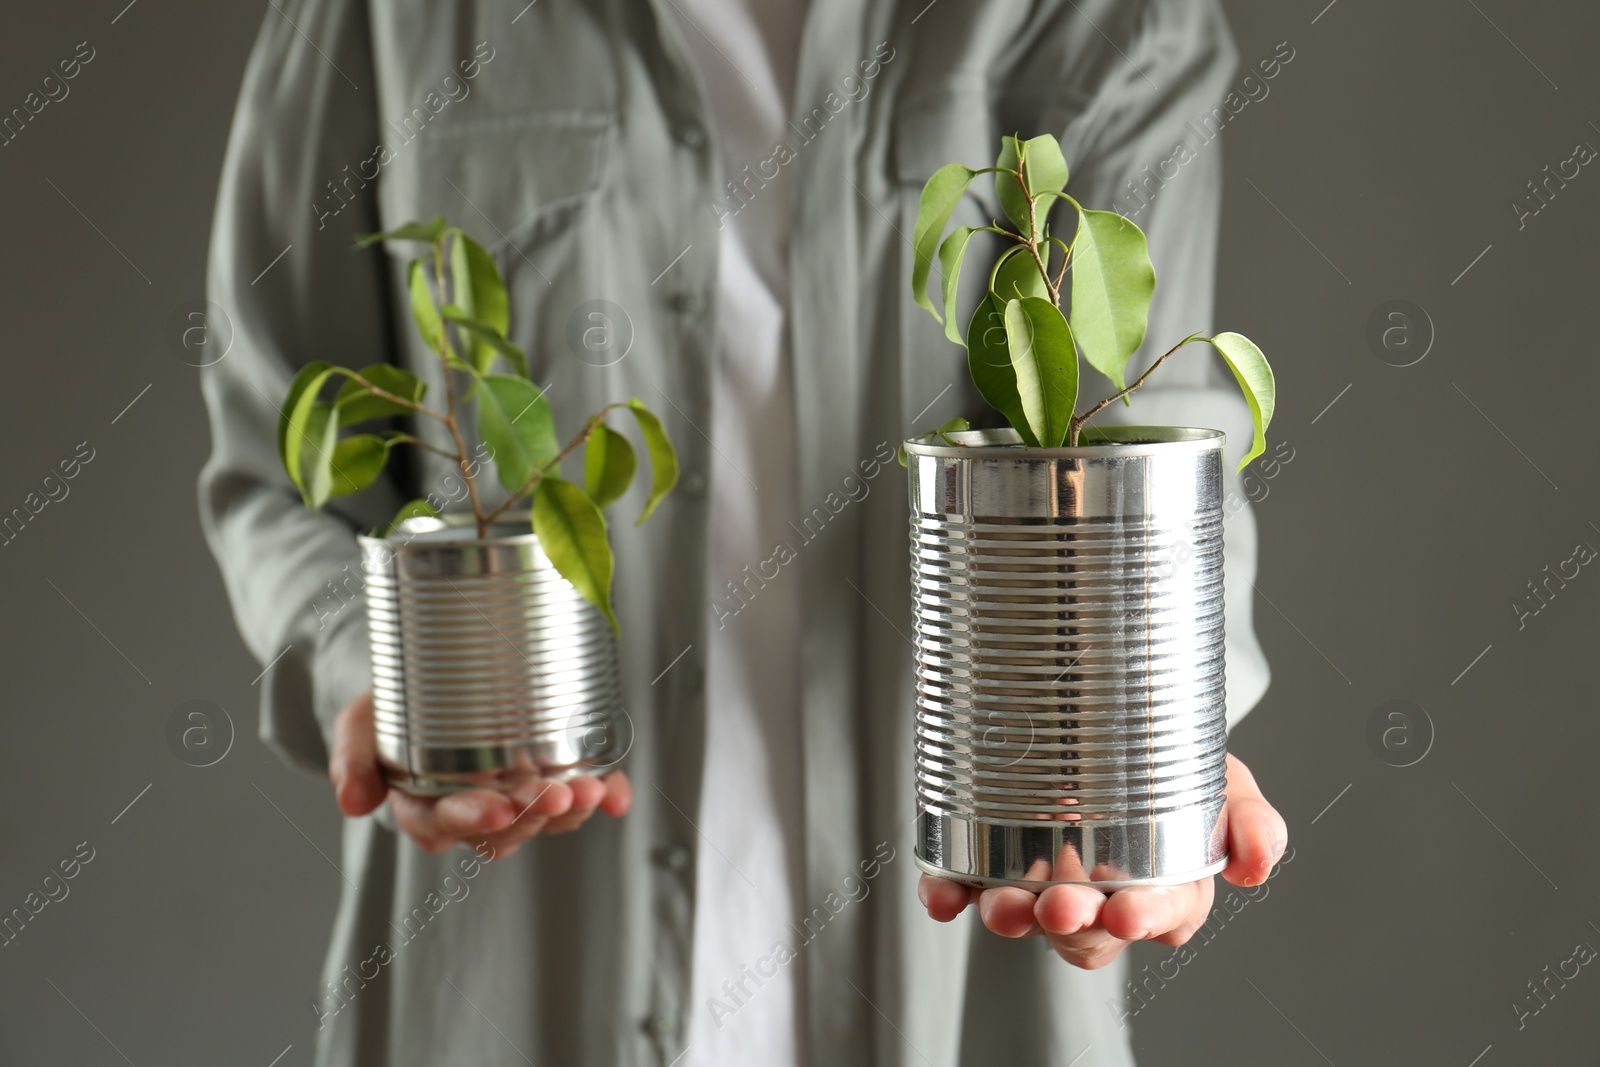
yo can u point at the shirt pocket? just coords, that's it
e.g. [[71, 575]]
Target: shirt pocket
[[527, 187], [511, 180], [960, 119], [950, 123]]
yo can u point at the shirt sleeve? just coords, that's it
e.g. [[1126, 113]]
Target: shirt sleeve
[[1149, 145], [284, 279]]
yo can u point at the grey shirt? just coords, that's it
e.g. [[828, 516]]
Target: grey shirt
[[572, 137]]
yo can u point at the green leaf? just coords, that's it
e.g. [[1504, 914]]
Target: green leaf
[[1007, 187], [412, 510], [320, 443], [514, 418], [1019, 276], [1254, 374], [1112, 282], [947, 427], [486, 342], [357, 462], [989, 360], [429, 232], [423, 309], [950, 426], [294, 420], [480, 293], [663, 457], [1094, 435], [1046, 363], [950, 254], [1045, 168], [572, 532], [357, 404], [608, 465], [938, 202]]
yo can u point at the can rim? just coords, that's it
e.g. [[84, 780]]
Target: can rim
[[422, 532], [1006, 443]]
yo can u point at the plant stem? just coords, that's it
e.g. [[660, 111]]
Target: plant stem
[[462, 462], [537, 476], [425, 446], [1033, 249], [1066, 257], [393, 398], [1078, 421]]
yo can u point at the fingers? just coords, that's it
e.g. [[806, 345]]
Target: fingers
[[944, 899], [1063, 910], [1070, 916], [353, 765], [506, 821], [619, 794], [1086, 927], [1008, 911], [1090, 929], [586, 793], [534, 801], [1091, 950], [436, 823], [558, 808], [1148, 913], [1257, 834], [1180, 935], [473, 813]]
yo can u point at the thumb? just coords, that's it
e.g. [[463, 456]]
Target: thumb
[[1257, 834], [353, 766]]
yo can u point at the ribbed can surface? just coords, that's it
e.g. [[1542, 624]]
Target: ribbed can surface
[[488, 667], [1069, 629]]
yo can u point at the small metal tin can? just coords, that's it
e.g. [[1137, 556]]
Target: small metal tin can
[[1071, 715], [488, 667]]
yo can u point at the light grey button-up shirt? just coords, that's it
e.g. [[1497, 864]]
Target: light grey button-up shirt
[[572, 136]]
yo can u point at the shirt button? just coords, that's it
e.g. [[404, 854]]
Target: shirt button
[[691, 135], [663, 1027], [674, 858], [689, 303], [694, 483]]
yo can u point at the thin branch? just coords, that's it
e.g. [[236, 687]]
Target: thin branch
[[445, 354], [1066, 249], [1066, 256], [408, 439], [999, 262], [1003, 232], [537, 476], [1076, 426], [1033, 249], [393, 398], [1061, 195]]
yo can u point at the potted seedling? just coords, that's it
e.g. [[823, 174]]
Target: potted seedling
[[493, 634], [1068, 577]]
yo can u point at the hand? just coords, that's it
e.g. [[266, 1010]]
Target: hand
[[504, 821], [1089, 928]]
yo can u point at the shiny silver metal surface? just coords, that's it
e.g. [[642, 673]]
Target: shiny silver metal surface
[[1071, 722], [488, 667]]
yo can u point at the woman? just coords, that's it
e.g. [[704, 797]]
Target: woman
[[704, 203]]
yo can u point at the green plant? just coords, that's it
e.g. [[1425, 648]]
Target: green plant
[[461, 309], [1022, 351]]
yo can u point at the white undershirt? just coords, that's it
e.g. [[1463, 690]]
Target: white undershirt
[[741, 1013]]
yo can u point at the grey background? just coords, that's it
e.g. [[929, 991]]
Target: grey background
[[1419, 901]]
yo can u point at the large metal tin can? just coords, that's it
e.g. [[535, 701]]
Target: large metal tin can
[[1071, 717]]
